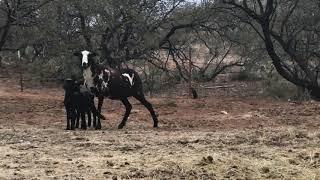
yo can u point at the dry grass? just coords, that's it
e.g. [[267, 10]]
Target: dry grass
[[247, 154]]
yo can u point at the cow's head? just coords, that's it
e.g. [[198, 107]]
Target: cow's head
[[86, 58]]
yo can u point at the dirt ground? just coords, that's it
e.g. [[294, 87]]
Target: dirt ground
[[219, 137]]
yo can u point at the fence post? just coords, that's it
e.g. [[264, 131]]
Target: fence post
[[190, 72], [20, 71]]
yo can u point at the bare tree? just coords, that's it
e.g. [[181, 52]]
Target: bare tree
[[290, 32], [17, 14]]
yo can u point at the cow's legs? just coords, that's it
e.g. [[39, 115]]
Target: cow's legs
[[128, 106], [94, 119], [100, 103], [143, 100], [95, 114], [97, 125]]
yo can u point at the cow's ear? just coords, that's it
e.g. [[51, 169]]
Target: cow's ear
[[77, 54], [93, 54]]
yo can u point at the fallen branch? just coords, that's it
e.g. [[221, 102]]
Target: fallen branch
[[217, 87]]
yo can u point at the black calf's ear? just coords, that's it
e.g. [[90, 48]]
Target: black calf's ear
[[80, 81], [77, 54], [77, 83]]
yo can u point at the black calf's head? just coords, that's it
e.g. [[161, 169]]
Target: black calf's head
[[86, 58], [70, 86]]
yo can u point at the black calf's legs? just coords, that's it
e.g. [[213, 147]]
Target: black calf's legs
[[71, 118], [128, 106], [89, 118], [83, 120], [143, 100], [77, 119]]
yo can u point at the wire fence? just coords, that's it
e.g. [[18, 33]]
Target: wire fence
[[222, 85]]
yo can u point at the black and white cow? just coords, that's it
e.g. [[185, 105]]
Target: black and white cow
[[114, 84]]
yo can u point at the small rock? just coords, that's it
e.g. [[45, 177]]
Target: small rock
[[301, 135], [224, 112], [109, 163], [114, 178], [80, 166], [210, 159], [234, 167], [133, 169], [48, 171], [196, 141], [265, 170], [293, 162]]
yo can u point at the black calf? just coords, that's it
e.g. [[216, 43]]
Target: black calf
[[78, 102]]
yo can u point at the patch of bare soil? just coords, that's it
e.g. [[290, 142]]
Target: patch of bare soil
[[219, 137]]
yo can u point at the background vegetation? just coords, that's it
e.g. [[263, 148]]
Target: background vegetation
[[276, 41]]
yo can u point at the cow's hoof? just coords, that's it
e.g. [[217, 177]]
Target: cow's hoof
[[102, 117], [155, 124], [120, 126]]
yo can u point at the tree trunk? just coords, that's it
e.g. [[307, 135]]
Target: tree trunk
[[313, 88]]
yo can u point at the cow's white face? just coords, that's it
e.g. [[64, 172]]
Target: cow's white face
[[85, 58]]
